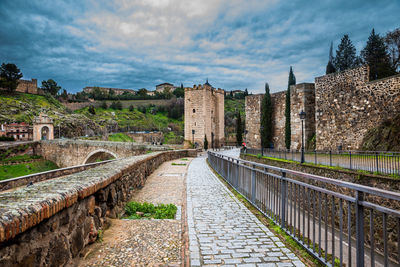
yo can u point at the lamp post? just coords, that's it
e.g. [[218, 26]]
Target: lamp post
[[262, 129], [302, 115], [193, 137]]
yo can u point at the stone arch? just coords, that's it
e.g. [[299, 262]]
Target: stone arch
[[44, 133], [99, 154]]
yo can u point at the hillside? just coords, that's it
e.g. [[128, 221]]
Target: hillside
[[20, 107], [134, 120], [385, 137]]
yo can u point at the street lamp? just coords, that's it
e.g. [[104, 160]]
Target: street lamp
[[261, 133], [302, 115], [193, 137]]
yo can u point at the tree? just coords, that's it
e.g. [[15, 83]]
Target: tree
[[50, 86], [9, 76], [239, 129], [111, 93], [376, 56], [345, 55], [92, 110], [392, 41], [246, 93], [266, 119], [64, 94], [330, 68], [231, 94], [179, 91], [104, 105], [288, 132], [142, 92], [205, 143], [131, 108]]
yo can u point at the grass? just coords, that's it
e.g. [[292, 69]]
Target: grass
[[20, 158], [120, 137], [12, 171], [178, 164], [337, 168], [292, 244], [184, 159], [136, 210], [134, 119]]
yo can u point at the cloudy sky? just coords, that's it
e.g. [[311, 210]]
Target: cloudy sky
[[141, 43]]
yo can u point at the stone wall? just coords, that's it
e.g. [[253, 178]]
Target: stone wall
[[302, 97], [49, 223], [28, 86], [42, 176], [204, 113], [348, 105], [148, 138]]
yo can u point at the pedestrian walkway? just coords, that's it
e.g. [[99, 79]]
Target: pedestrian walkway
[[222, 231]]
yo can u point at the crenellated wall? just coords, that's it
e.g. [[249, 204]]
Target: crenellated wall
[[348, 105], [49, 223]]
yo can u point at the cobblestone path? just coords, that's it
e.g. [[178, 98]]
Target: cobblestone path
[[222, 231]]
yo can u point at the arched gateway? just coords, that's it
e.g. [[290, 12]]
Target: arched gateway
[[43, 128]]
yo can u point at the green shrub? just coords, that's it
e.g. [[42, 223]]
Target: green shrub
[[161, 211]]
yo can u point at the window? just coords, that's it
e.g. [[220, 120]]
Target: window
[[194, 111]]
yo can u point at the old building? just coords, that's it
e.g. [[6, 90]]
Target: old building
[[19, 131], [106, 90], [168, 87], [28, 87], [204, 116]]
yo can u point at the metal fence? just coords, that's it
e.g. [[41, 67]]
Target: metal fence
[[339, 223], [372, 161]]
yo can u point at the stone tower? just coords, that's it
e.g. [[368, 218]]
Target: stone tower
[[204, 116]]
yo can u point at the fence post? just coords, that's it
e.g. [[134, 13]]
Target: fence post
[[376, 157], [330, 158], [350, 160], [237, 175], [359, 229], [315, 157], [283, 200], [253, 185]]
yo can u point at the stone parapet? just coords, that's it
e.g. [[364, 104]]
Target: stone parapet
[[49, 223]]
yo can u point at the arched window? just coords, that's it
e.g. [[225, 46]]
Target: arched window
[[194, 111]]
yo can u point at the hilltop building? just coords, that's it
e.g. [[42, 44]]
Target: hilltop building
[[165, 87], [117, 91]]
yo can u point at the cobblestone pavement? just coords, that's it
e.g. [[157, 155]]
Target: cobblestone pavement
[[138, 243], [146, 242], [165, 185], [222, 231]]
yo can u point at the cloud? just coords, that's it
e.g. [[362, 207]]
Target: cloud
[[140, 43]]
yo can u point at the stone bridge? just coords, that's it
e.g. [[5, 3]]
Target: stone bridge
[[66, 153]]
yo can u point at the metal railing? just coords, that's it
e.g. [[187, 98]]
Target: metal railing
[[339, 223], [371, 161]]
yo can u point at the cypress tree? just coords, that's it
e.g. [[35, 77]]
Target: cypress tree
[[288, 132], [376, 56], [205, 143], [266, 119], [239, 130], [330, 68], [345, 55]]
